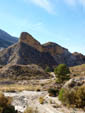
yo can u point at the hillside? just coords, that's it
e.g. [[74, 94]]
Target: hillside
[[26, 52], [6, 39], [22, 72]]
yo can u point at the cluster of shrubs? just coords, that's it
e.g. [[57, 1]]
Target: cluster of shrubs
[[5, 105], [74, 97]]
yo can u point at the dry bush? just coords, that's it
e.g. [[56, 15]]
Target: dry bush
[[73, 97], [31, 110], [41, 100], [5, 105]]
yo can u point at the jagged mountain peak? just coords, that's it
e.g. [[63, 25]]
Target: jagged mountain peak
[[29, 40], [25, 36]]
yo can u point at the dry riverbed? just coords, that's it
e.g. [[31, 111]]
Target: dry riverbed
[[21, 100]]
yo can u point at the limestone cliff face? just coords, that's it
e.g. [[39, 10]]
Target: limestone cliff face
[[53, 48], [60, 54], [50, 47]]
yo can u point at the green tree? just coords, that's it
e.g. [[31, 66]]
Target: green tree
[[47, 69], [62, 72]]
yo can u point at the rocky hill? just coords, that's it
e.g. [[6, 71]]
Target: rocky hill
[[26, 51], [29, 51], [6, 39]]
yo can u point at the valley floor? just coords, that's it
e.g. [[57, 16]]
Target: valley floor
[[31, 98], [27, 93]]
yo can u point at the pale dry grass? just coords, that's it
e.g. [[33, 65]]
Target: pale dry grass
[[31, 110], [78, 70], [16, 87], [8, 85]]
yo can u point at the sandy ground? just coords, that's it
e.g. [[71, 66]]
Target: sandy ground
[[31, 98]]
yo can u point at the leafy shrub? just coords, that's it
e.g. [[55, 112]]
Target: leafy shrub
[[31, 110], [5, 105], [53, 92], [47, 69], [73, 97], [62, 72]]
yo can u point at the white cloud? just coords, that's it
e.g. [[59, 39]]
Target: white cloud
[[50, 5], [45, 4]]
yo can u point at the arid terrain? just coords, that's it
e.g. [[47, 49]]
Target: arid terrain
[[30, 73], [31, 98]]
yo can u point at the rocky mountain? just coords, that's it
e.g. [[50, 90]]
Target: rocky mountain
[[30, 51], [26, 51], [6, 39]]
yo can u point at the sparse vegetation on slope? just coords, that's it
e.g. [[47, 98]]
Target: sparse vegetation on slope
[[24, 72], [78, 70]]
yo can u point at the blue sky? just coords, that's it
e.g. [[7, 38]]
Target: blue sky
[[60, 21]]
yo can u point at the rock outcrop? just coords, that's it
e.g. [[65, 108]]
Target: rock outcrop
[[29, 40], [80, 57], [75, 82], [60, 54]]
